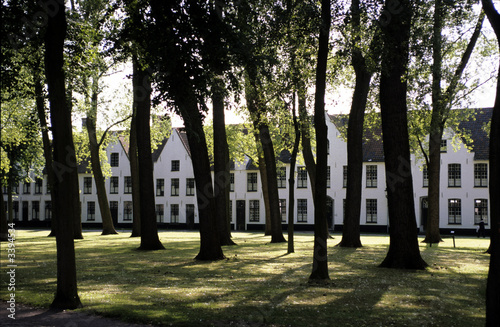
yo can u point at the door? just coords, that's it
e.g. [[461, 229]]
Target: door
[[424, 208], [25, 211], [190, 216], [113, 207], [240, 215]]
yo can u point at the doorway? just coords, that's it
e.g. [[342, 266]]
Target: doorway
[[240, 215]]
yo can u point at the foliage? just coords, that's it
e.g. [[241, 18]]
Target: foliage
[[258, 284]]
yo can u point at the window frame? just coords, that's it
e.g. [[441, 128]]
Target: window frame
[[481, 175], [175, 165], [371, 206], [301, 177], [454, 211], [254, 211], [160, 187], [252, 182], [371, 176], [301, 210], [114, 185], [174, 187], [454, 175], [127, 185], [114, 159]]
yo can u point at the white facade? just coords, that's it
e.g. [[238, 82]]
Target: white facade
[[464, 199]]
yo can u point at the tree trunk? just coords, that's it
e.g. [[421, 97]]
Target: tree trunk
[[320, 258], [47, 147], [306, 137], [403, 251], [10, 203], [350, 231], [432, 234], [142, 104], [102, 197], [210, 247], [4, 227], [493, 282], [255, 109], [66, 191], [221, 166], [134, 175], [265, 188], [291, 182]]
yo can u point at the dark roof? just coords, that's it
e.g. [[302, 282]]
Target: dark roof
[[475, 127], [156, 153], [184, 139], [373, 148], [251, 165], [285, 156]]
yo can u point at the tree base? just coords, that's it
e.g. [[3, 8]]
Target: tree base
[[208, 258], [109, 232], [431, 240], [350, 244], [404, 263], [278, 239], [64, 303], [151, 247]]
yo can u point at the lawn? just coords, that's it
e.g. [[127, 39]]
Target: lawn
[[258, 283]]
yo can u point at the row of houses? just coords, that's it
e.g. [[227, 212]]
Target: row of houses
[[464, 197]]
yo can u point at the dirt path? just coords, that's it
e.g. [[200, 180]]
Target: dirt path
[[27, 316]]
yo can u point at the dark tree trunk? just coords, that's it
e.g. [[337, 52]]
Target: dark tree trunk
[[210, 247], [142, 104], [102, 197], [265, 188], [66, 191], [291, 182], [10, 203], [255, 109], [134, 175], [306, 137], [441, 104], [350, 231], [320, 258], [493, 282], [4, 227], [403, 248], [221, 166], [47, 147]]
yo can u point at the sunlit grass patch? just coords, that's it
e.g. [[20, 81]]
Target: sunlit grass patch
[[258, 282]]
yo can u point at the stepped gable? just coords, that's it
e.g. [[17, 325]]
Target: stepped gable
[[479, 139]]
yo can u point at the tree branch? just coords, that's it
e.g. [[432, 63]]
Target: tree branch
[[107, 129]]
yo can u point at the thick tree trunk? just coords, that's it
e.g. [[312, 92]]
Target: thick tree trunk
[[493, 282], [320, 258], [142, 103], [221, 166], [403, 251], [291, 182], [134, 175], [66, 191], [265, 188], [432, 234], [210, 247]]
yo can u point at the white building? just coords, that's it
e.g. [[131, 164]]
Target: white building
[[464, 197]]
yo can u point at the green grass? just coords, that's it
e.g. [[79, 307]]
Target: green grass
[[258, 282]]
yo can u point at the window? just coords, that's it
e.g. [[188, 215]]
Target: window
[[174, 213], [371, 176], [444, 146], [371, 210], [15, 189], [159, 213], [190, 186], [127, 210], [252, 182], [35, 207], [113, 185], [328, 176], [344, 180], [26, 188], [425, 177], [87, 185], [91, 211], [174, 187], [160, 187], [127, 181], [47, 188], [176, 165], [480, 211], [254, 214], [114, 160], [283, 210], [231, 183], [454, 175], [38, 186], [301, 210], [301, 177], [281, 172], [454, 211], [48, 210], [481, 175]]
